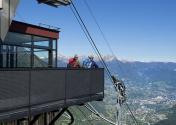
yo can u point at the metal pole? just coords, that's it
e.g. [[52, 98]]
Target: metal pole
[[1, 56], [11, 56], [16, 56], [32, 52], [29, 84], [56, 49], [7, 56], [50, 54]]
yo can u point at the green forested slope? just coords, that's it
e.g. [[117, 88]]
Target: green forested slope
[[171, 117]]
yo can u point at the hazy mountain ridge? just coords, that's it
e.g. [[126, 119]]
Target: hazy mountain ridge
[[134, 70]]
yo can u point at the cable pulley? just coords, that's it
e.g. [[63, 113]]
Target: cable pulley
[[120, 87]]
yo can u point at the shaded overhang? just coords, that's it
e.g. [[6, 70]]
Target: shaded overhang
[[29, 29]]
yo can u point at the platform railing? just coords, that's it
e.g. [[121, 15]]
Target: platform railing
[[26, 91]]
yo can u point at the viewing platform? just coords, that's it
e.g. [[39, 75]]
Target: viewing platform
[[32, 85], [32, 91]]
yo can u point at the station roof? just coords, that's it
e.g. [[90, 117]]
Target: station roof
[[29, 29]]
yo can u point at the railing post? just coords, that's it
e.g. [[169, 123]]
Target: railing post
[[16, 56]]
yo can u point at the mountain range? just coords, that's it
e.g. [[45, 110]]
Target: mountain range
[[151, 88], [134, 70]]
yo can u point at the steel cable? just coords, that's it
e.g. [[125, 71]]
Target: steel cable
[[110, 48]]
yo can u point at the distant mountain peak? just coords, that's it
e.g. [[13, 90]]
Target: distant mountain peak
[[109, 58]]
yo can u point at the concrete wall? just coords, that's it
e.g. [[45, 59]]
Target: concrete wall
[[0, 4], [6, 15]]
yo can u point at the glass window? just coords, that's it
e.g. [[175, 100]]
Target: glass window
[[41, 41], [40, 58], [23, 57], [30, 51]]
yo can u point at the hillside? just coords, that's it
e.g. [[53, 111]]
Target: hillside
[[171, 117]]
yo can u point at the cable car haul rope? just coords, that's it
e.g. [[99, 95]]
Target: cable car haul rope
[[119, 85]]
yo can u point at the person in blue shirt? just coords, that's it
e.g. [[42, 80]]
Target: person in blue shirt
[[90, 63]]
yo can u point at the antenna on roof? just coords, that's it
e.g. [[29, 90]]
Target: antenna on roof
[[55, 3]]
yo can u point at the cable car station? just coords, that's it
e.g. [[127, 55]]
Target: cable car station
[[32, 85]]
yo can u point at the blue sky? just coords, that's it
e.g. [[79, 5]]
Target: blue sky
[[142, 30]]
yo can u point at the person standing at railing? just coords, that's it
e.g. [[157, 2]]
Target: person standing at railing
[[74, 62], [89, 63]]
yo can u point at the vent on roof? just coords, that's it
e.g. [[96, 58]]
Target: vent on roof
[[55, 3]]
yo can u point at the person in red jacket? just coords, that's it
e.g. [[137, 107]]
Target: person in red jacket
[[74, 62]]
